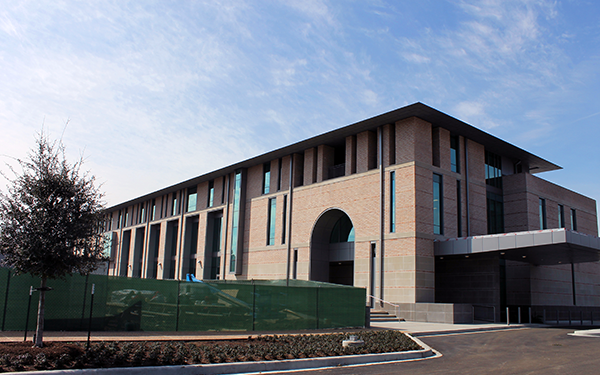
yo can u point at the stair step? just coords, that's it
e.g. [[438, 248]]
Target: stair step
[[383, 316]]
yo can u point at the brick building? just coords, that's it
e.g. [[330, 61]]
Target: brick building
[[423, 210]]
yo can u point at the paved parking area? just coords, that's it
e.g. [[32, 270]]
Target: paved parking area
[[538, 350]]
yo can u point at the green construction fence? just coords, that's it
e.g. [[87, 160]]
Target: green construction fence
[[132, 304]]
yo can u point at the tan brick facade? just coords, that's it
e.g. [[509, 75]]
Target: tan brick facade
[[398, 265]]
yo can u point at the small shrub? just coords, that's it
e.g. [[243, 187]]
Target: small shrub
[[167, 354], [5, 360], [40, 361], [139, 353], [63, 361]]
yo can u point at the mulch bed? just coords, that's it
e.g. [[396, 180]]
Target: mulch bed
[[62, 355]]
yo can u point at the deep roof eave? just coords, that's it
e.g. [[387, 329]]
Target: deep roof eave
[[423, 111]]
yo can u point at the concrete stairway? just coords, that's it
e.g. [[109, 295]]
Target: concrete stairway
[[378, 316]]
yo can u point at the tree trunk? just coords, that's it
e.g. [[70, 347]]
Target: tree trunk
[[39, 332]]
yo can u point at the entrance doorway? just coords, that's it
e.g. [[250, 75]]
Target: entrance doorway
[[332, 249]]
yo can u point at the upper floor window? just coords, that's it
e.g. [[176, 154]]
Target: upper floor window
[[495, 213], [211, 193], [438, 225], [153, 210], [174, 208], [192, 196], [266, 178], [493, 169], [271, 220], [279, 174], [142, 215], [573, 219], [392, 201], [543, 223], [561, 216], [454, 154]]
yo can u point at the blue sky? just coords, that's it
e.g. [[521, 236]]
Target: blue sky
[[157, 92]]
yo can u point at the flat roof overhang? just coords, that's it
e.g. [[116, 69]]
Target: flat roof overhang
[[531, 162], [543, 247]]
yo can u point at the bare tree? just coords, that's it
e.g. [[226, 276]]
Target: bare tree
[[50, 219]]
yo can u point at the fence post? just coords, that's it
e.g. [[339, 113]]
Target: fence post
[[90, 321], [530, 315], [507, 317], [519, 314], [27, 316]]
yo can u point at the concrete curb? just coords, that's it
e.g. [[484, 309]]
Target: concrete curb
[[586, 333], [248, 367], [469, 330]]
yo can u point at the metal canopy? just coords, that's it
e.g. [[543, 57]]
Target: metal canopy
[[543, 247]]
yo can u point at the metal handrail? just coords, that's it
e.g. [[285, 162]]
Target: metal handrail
[[383, 301]]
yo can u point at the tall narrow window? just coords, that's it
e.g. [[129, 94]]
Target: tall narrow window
[[458, 209], [573, 219], [271, 218], [119, 220], [438, 225], [454, 154], [493, 170], [543, 223], [392, 201], [126, 222], [280, 174], [192, 196], [153, 212], [211, 193], [495, 213], [266, 178], [237, 191], [174, 207], [561, 216], [284, 220], [223, 190], [142, 216]]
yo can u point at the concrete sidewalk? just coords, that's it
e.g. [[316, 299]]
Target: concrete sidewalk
[[414, 328], [424, 328]]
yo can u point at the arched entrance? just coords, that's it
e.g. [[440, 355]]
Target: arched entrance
[[332, 248]]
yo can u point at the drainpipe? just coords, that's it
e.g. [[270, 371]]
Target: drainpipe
[[146, 247], [181, 232], [226, 223], [289, 221], [381, 211], [467, 211]]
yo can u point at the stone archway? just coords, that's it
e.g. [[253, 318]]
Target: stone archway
[[332, 248]]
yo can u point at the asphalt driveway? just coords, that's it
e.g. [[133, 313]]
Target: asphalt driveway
[[518, 351]]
